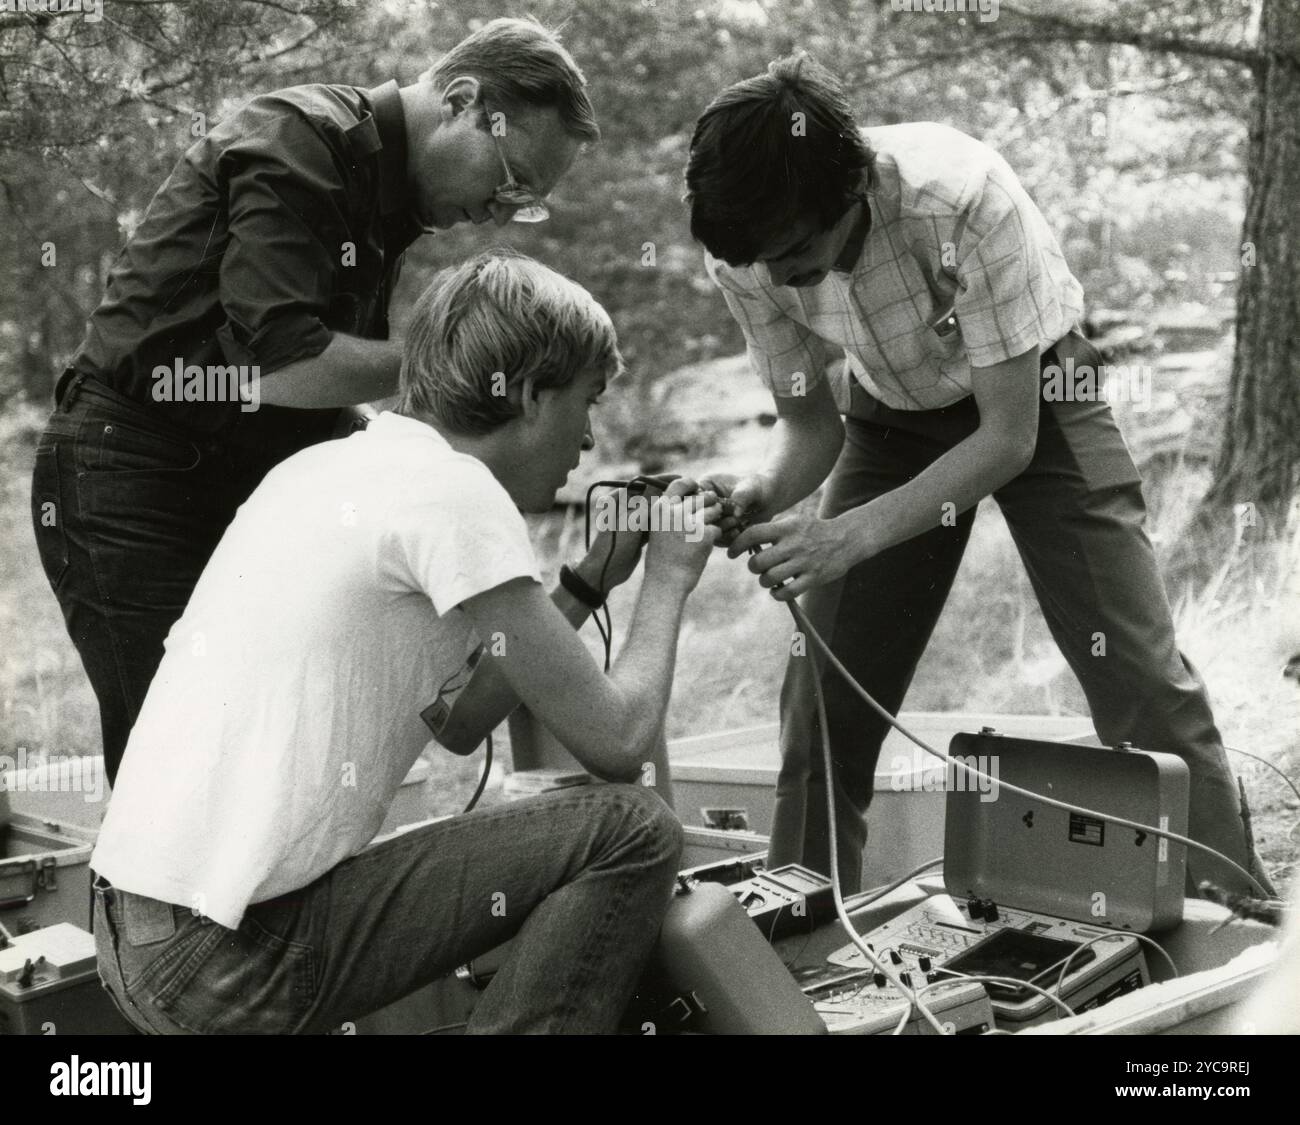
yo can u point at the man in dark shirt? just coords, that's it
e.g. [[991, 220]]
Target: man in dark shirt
[[251, 304]]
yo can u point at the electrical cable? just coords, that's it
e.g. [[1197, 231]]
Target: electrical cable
[[971, 771], [606, 633], [794, 961], [604, 567], [863, 899], [1065, 965], [1266, 762], [828, 763], [1016, 981], [982, 979], [845, 921], [906, 1017], [643, 484], [482, 781], [606, 630], [803, 623], [866, 898], [445, 1027], [487, 763]]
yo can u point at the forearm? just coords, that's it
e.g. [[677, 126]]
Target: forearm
[[643, 673], [798, 552], [349, 371], [800, 456], [640, 682], [488, 699], [958, 480], [607, 723]]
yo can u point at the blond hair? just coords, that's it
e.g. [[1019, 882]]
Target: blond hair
[[519, 64], [487, 325]]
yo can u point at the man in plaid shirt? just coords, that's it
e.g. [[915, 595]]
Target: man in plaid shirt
[[902, 277]]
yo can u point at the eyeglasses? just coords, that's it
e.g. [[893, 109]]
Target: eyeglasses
[[527, 204]]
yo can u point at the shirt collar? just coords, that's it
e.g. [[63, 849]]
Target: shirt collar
[[390, 424], [871, 216], [390, 124]]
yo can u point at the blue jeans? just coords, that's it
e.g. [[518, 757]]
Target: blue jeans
[[127, 511], [583, 876], [127, 514]]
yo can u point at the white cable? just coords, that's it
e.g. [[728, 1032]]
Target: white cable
[[984, 977], [1060, 980], [906, 1017], [974, 772], [836, 893], [866, 898]]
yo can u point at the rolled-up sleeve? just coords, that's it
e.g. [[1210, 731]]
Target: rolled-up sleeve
[[779, 348], [288, 223]]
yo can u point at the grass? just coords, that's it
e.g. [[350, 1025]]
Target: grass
[[991, 651]]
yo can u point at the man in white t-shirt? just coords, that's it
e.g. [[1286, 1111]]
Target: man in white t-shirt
[[366, 582]]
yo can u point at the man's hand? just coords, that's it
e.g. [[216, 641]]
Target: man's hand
[[747, 500], [803, 552], [687, 519], [611, 724], [617, 567]]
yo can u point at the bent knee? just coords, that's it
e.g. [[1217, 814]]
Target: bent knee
[[648, 820]]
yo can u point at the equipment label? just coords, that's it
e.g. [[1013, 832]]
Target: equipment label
[[1087, 830]]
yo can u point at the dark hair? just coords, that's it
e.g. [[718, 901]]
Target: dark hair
[[769, 151], [518, 64]]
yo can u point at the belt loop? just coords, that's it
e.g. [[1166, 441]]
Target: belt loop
[[65, 400]]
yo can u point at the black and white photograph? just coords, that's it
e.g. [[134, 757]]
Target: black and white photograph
[[651, 518]]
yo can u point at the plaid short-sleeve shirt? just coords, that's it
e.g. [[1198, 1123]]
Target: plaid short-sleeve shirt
[[958, 270]]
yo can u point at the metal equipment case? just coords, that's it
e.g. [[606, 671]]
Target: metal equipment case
[[1026, 854]]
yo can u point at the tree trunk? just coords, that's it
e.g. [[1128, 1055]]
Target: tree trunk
[[1259, 458]]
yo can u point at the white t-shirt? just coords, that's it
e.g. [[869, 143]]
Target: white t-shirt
[[286, 710]]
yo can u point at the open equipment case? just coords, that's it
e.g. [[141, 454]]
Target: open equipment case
[[745, 949], [1029, 892]]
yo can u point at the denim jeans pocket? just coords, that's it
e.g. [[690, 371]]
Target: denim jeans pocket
[[49, 515], [107, 944], [147, 967], [245, 981], [116, 442]]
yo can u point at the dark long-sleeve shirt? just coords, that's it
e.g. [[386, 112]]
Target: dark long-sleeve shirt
[[286, 223]]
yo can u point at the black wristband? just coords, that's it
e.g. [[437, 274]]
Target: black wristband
[[587, 594]]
